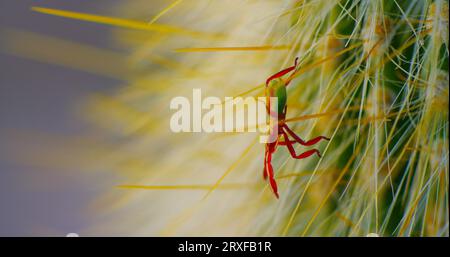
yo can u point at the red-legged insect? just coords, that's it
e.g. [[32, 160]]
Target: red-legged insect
[[276, 87]]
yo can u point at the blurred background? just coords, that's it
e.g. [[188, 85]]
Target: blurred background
[[37, 99]]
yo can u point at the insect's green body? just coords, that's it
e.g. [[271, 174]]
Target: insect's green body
[[277, 88]]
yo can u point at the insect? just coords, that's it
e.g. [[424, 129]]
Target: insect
[[276, 87]]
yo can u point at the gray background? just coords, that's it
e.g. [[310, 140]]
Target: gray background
[[38, 97]]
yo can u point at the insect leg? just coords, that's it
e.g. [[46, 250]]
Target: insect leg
[[283, 72], [301, 141], [294, 154], [285, 142], [265, 164], [269, 170]]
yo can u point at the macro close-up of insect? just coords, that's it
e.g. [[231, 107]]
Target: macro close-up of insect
[[156, 118], [277, 87]]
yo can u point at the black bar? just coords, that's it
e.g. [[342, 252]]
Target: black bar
[[228, 246]]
